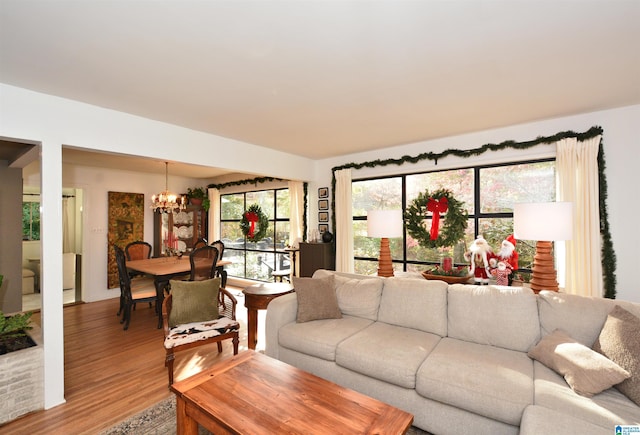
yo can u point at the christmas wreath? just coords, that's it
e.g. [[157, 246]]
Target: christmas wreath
[[442, 204], [254, 223]]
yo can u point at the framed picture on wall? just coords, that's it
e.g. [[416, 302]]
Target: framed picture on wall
[[323, 192], [323, 228], [323, 204], [323, 216]]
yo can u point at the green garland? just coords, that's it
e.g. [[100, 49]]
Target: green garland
[[261, 226], [608, 254], [453, 227], [253, 181]]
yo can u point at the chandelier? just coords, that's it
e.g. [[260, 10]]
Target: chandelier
[[166, 202]]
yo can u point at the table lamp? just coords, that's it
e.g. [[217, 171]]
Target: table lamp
[[544, 222], [384, 224]]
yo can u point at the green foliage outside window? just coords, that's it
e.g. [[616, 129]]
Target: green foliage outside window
[[30, 221]]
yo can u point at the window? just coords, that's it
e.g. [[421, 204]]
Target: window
[[488, 192], [30, 221], [255, 260]]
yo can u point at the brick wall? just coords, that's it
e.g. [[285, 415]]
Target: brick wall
[[22, 380]]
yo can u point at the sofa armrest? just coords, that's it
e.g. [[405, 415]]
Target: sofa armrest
[[281, 310]]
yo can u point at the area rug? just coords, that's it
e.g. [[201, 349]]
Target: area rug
[[160, 419]]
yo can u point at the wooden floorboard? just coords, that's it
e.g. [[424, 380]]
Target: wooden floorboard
[[111, 374]]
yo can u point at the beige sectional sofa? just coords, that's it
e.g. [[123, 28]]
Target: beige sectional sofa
[[455, 356]]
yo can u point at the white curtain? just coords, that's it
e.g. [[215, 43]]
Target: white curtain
[[296, 211], [296, 218], [577, 168], [344, 222], [214, 215]]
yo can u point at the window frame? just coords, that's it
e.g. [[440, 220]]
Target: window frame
[[277, 218], [475, 216]]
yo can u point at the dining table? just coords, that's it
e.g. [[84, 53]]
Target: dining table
[[164, 269]]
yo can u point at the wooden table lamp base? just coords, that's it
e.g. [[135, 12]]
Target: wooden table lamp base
[[544, 272]]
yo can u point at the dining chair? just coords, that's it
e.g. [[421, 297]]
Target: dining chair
[[128, 296], [137, 250], [219, 244], [200, 243], [220, 272], [191, 317], [203, 262]]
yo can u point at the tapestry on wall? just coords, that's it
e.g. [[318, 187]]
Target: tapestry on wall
[[126, 224]]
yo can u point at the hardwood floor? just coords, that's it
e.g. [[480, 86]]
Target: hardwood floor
[[111, 374]]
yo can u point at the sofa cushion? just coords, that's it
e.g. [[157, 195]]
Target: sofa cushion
[[316, 299], [401, 297], [579, 316], [587, 372], [606, 409], [386, 352], [619, 341], [319, 338], [486, 380], [500, 316], [359, 297], [538, 420]]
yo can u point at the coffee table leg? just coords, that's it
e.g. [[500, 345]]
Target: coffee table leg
[[252, 327], [185, 424]]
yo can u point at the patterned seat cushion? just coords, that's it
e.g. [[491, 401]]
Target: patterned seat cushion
[[192, 332]]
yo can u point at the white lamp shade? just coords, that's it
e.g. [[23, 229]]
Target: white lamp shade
[[547, 221], [384, 223]]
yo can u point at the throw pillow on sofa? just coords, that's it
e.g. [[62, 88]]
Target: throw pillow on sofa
[[316, 299], [586, 371], [619, 341]]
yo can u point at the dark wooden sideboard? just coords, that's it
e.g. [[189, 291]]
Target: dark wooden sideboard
[[314, 256]]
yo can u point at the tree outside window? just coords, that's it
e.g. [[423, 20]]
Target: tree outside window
[[30, 221]]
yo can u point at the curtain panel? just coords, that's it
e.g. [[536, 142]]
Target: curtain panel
[[578, 182], [344, 221]]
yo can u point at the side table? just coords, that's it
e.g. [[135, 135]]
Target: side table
[[257, 297]]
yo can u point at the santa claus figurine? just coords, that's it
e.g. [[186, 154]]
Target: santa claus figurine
[[508, 255], [502, 273], [480, 253]]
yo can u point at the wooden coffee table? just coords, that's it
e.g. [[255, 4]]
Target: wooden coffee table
[[251, 393]]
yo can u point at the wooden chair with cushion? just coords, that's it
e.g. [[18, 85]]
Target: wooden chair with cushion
[[200, 243], [128, 296], [204, 261], [137, 250], [220, 272], [191, 317]]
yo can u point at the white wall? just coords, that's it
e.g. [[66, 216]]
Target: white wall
[[622, 158]]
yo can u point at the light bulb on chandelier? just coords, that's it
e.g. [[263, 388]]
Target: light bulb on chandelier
[[166, 202]]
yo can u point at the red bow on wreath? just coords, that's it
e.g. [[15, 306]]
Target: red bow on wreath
[[252, 217], [436, 206]]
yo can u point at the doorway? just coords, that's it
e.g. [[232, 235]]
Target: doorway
[[72, 200]]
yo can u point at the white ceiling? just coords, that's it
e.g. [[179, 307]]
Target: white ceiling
[[327, 78]]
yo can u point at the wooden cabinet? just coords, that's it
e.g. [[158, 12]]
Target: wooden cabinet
[[314, 256], [184, 228]]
